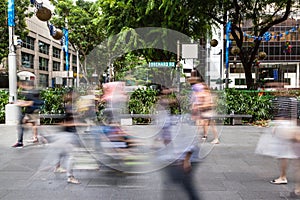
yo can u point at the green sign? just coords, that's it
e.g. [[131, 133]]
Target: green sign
[[162, 64]]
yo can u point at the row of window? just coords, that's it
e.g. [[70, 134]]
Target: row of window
[[28, 62], [287, 68], [43, 47], [242, 81]]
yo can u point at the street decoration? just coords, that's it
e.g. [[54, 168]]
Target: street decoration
[[268, 36], [287, 48]]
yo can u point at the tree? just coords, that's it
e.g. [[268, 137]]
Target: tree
[[21, 12], [84, 35], [178, 15], [262, 15]]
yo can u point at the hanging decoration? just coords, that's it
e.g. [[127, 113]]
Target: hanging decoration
[[42, 13], [235, 50], [57, 34], [213, 42], [268, 36], [262, 55], [287, 49]]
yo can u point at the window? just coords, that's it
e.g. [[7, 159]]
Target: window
[[287, 81], [27, 60], [43, 64], [43, 80], [74, 60], [56, 52], [74, 69], [56, 66], [240, 81], [44, 48], [28, 43]]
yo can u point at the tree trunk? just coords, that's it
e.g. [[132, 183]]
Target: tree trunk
[[248, 75]]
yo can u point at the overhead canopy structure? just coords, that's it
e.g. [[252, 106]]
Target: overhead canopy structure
[[26, 75]]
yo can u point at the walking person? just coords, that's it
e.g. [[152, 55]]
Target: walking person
[[295, 194], [30, 107], [184, 161], [203, 107], [64, 147], [179, 154], [285, 124], [278, 143], [62, 143]]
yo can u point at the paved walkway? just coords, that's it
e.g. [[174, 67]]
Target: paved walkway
[[230, 171]]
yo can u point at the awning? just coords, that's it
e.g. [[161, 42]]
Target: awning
[[26, 75]]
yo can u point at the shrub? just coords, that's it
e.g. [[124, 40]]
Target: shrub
[[3, 101], [142, 101]]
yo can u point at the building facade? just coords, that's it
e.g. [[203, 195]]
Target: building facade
[[282, 61], [42, 55]]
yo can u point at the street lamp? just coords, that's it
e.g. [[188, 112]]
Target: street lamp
[[221, 66], [12, 110]]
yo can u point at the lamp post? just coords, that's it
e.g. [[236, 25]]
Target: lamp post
[[221, 66], [178, 65], [12, 110]]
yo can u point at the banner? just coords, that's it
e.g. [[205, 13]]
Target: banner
[[66, 47], [11, 13]]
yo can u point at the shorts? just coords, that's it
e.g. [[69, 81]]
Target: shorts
[[31, 118]]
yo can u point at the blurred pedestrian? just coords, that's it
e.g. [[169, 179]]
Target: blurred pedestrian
[[86, 108], [285, 125], [203, 107], [30, 107], [179, 154], [114, 98], [278, 144], [184, 163], [295, 194], [62, 143]]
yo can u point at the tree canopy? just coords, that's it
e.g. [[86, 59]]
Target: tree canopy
[[178, 15], [78, 16]]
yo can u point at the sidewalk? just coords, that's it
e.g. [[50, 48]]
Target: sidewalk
[[230, 171]]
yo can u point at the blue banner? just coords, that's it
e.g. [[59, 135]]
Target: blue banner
[[275, 74], [11, 13], [228, 43], [66, 47]]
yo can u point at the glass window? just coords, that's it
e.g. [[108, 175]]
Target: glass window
[[287, 81], [240, 81], [56, 66], [74, 60], [56, 52], [44, 48], [28, 43], [27, 60], [43, 80], [43, 63]]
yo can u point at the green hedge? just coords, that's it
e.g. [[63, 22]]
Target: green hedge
[[246, 102], [142, 101], [3, 101]]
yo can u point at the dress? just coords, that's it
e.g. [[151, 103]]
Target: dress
[[279, 143]]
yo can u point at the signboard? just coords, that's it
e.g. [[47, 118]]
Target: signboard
[[190, 51], [162, 64]]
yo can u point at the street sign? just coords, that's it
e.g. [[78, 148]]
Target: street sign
[[162, 64]]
